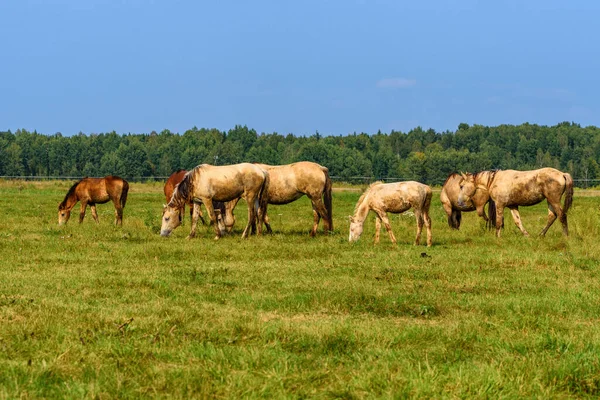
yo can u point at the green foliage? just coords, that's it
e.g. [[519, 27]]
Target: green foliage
[[424, 155]]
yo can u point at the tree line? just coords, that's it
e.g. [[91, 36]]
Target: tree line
[[423, 155]]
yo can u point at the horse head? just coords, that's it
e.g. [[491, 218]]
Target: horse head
[[356, 229], [63, 214], [171, 219], [467, 189]]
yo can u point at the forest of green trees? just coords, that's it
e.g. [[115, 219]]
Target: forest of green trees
[[423, 155]]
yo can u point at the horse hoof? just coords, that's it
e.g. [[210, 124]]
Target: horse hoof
[[217, 237]]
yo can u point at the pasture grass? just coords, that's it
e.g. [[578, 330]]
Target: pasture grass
[[95, 311]]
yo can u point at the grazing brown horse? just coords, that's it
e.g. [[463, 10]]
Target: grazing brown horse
[[290, 182], [449, 199], [173, 180], [521, 188], [206, 183], [92, 191], [395, 198]]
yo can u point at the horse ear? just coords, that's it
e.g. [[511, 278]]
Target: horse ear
[[464, 176]]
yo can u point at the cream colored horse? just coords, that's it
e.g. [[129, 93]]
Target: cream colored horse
[[206, 183], [520, 188], [449, 199], [287, 183], [395, 198]]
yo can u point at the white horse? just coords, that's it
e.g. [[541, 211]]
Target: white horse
[[395, 198]]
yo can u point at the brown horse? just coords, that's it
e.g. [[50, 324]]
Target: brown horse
[[206, 183], [395, 198], [449, 199], [92, 191], [170, 184], [290, 182], [521, 188]]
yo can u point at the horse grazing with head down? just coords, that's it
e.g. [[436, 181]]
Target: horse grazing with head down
[[287, 183], [169, 188], [206, 183], [395, 198], [92, 191], [520, 188], [449, 199]]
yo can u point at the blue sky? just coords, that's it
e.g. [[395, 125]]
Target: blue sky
[[336, 66]]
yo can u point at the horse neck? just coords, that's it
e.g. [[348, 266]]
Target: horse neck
[[362, 210], [484, 180], [70, 200]]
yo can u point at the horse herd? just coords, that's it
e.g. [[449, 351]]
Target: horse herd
[[220, 188]]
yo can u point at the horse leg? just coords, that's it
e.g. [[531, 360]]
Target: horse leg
[[427, 220], [386, 223], [229, 217], [199, 214], [319, 207], [517, 218], [499, 218], [94, 212], [561, 214], [481, 213], [195, 209], [377, 228], [419, 219], [82, 211], [266, 220], [251, 215], [211, 213], [118, 212], [448, 210], [552, 215], [316, 219]]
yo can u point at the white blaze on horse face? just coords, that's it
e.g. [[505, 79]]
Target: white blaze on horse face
[[356, 229], [63, 216], [170, 220]]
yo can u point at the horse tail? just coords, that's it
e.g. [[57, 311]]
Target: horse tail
[[491, 222], [327, 199], [426, 203], [569, 192], [124, 191], [263, 196], [454, 219]]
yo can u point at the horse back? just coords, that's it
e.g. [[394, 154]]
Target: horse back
[[225, 183], [526, 188]]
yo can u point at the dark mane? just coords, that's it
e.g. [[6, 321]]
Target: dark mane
[[69, 193], [183, 190]]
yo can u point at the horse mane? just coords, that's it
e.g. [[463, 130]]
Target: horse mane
[[183, 189], [492, 173], [365, 193], [69, 193], [452, 174]]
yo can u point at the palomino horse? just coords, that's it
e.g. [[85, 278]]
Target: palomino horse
[[206, 183], [521, 188], [290, 182], [449, 199], [92, 191], [173, 180], [395, 198]]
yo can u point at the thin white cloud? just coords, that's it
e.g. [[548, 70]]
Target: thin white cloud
[[396, 83]]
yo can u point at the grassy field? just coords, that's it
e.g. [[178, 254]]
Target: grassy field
[[94, 311]]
